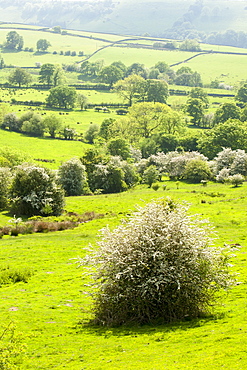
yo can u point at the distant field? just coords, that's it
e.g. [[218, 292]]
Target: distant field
[[94, 96], [77, 119], [58, 42], [145, 56], [43, 148], [227, 68]]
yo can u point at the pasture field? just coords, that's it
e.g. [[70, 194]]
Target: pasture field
[[51, 311], [54, 150], [76, 119], [106, 36], [58, 42], [94, 96], [148, 57], [225, 67]]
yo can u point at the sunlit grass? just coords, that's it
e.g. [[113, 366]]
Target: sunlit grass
[[51, 307]]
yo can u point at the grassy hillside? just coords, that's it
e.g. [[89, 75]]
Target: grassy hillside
[[56, 151], [228, 68], [50, 310]]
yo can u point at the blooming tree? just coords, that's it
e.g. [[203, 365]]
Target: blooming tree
[[159, 264], [34, 192]]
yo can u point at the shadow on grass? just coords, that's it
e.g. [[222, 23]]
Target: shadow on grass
[[137, 329], [9, 50], [40, 52]]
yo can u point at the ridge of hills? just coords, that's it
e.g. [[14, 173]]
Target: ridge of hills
[[153, 17]]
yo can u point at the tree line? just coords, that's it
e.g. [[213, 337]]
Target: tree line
[[27, 189]]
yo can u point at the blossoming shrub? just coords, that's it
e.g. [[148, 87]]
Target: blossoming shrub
[[236, 180], [72, 177], [197, 170], [5, 178], [158, 265], [34, 192]]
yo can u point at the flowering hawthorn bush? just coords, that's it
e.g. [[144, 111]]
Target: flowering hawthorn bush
[[158, 265], [34, 192], [5, 179], [72, 177]]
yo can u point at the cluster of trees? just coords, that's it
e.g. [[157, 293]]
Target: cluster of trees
[[14, 41], [154, 127], [228, 38], [185, 27], [27, 189], [136, 88], [145, 125], [49, 74], [118, 71], [186, 45], [197, 104], [32, 123], [195, 167]]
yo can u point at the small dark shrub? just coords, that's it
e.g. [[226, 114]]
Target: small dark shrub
[[155, 186], [10, 275]]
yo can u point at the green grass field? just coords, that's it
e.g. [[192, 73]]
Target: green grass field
[[227, 68], [43, 148], [51, 308], [50, 311]]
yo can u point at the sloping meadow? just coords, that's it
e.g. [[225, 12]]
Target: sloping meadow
[[51, 311]]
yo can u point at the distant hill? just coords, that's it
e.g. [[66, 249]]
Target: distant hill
[[177, 18]]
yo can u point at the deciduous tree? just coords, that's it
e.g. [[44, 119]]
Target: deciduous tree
[[58, 76], [199, 93], [110, 74], [42, 44], [82, 101], [149, 118], [5, 180], [20, 77], [46, 73], [34, 192], [242, 94], [156, 91], [119, 146], [227, 111], [231, 134], [131, 88], [91, 133], [52, 125], [62, 97], [34, 125], [195, 108], [72, 177], [14, 41]]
